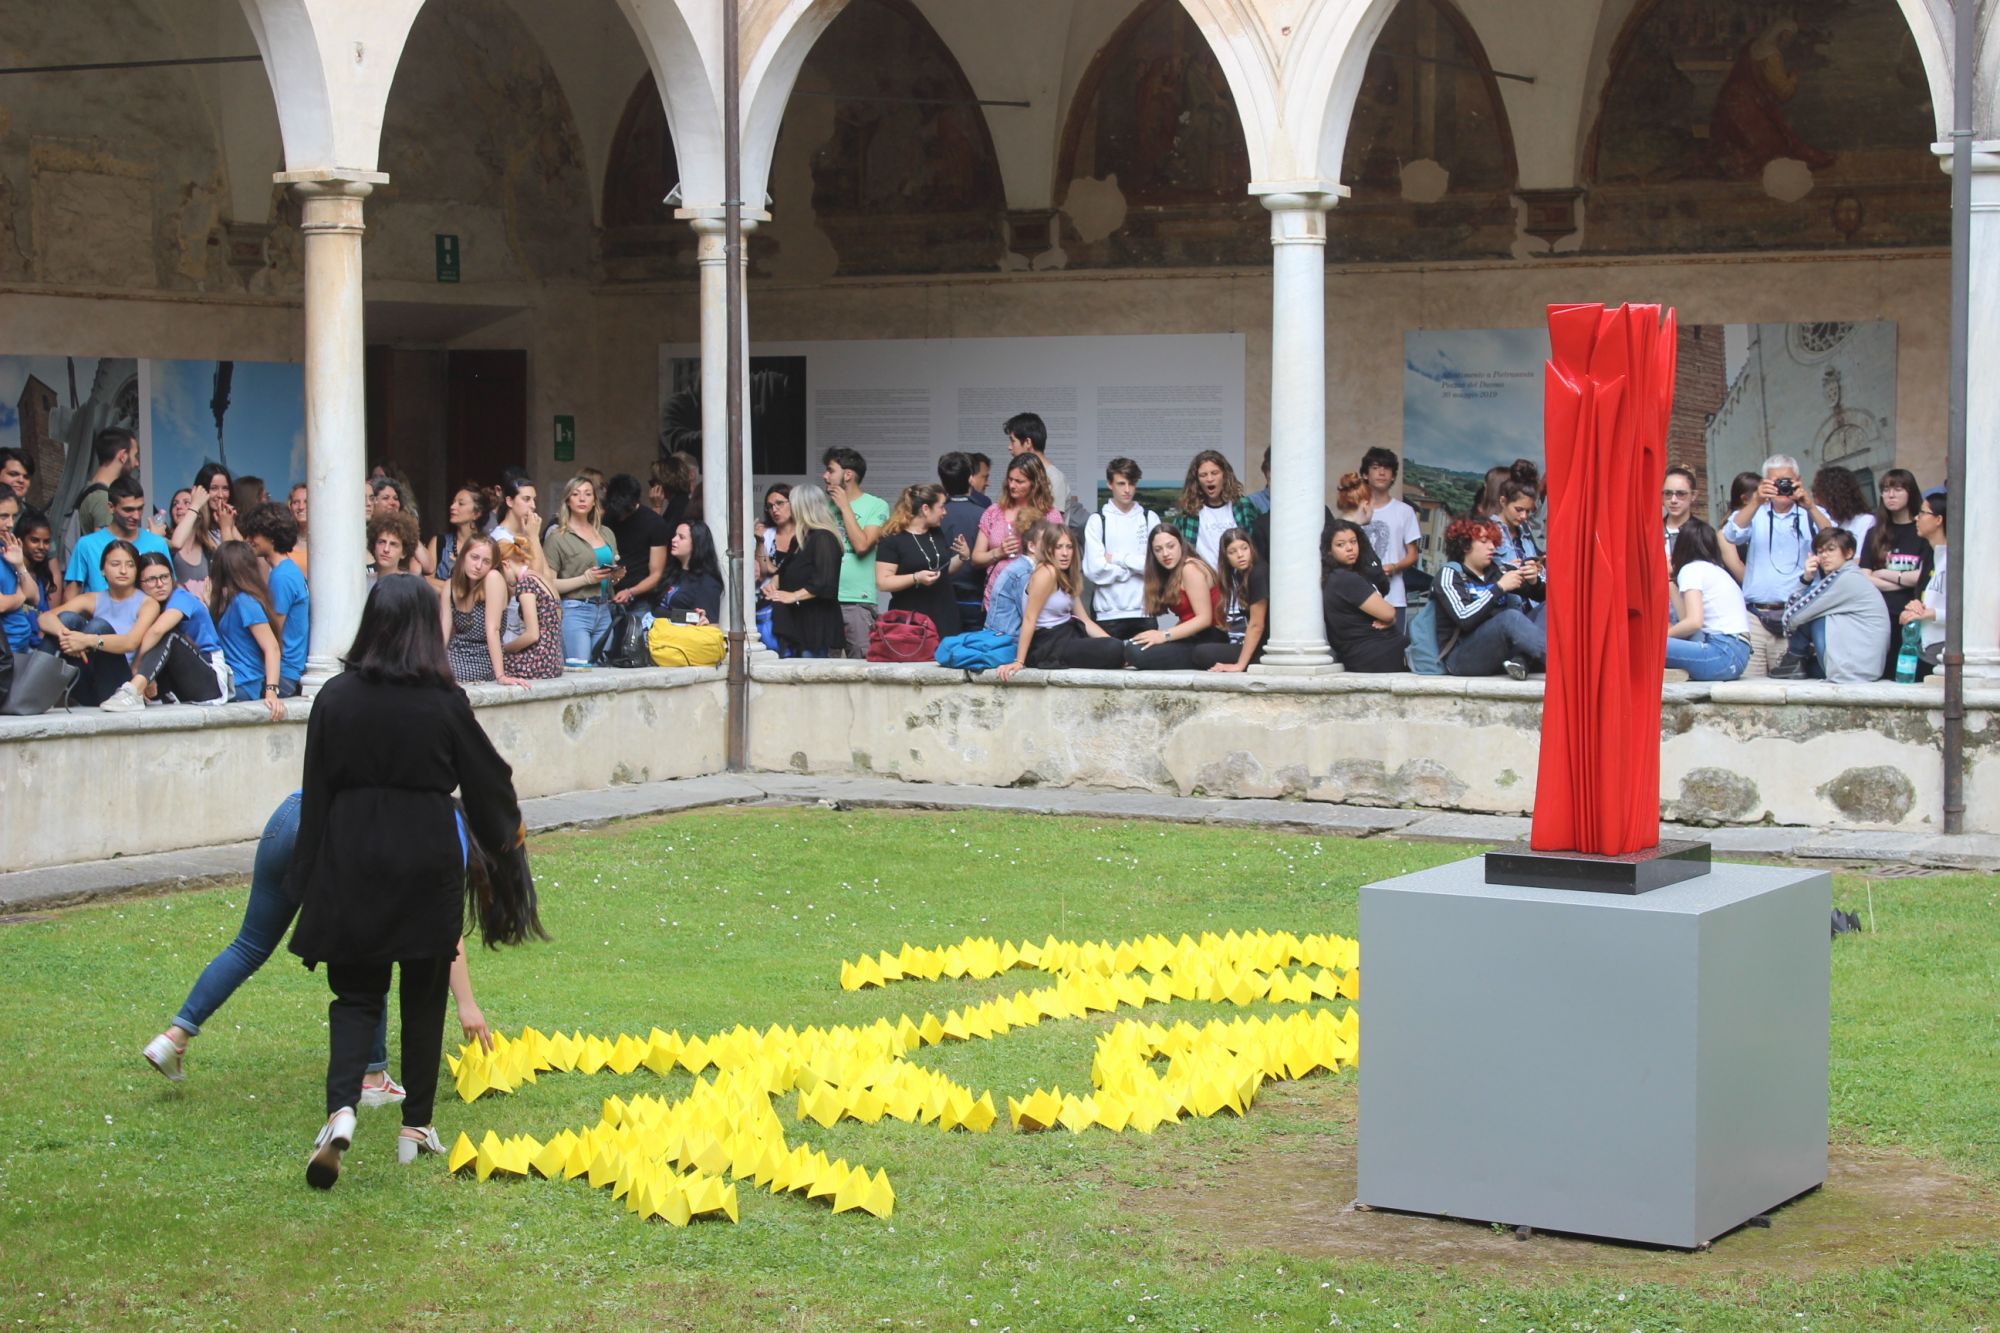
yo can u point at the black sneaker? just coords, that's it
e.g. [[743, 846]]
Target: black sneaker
[[1790, 667], [1515, 668]]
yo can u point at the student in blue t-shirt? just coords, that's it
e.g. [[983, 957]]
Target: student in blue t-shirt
[[84, 573], [17, 586], [179, 659], [272, 533], [240, 601]]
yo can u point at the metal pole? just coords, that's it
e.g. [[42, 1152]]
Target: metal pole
[[1961, 303], [732, 212]]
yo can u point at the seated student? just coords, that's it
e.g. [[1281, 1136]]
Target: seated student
[[1212, 502], [1360, 623], [805, 595], [392, 536], [1512, 517], [1486, 620], [534, 652], [17, 586], [99, 630], [272, 533], [1057, 633], [915, 560], [1114, 552], [44, 583], [1930, 608], [1710, 638], [1838, 622], [128, 524], [240, 600], [1179, 581], [1246, 607], [471, 613], [693, 575], [180, 659]]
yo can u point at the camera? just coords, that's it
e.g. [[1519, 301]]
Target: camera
[[1785, 486]]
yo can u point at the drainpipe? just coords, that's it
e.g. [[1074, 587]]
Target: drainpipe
[[1961, 298], [732, 205]]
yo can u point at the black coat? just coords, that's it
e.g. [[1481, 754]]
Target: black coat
[[377, 871], [814, 625]]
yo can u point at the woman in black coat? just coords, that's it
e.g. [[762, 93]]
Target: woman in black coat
[[380, 866]]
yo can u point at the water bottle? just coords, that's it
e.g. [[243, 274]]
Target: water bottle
[[1906, 655]]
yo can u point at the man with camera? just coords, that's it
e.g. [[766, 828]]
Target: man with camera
[[1780, 532]]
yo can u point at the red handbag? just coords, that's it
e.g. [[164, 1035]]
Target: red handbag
[[902, 636]]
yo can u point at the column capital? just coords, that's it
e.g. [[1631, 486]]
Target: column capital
[[1985, 156], [716, 219], [1298, 208], [332, 180]]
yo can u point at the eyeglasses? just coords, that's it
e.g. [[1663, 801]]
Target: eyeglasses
[[1675, 495], [151, 579]]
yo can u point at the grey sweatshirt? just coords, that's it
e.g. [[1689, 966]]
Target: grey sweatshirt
[[1857, 624]]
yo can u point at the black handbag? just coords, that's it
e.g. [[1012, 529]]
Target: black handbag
[[40, 681]]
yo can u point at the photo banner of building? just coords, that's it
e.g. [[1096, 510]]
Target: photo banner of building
[[1157, 399], [249, 416], [52, 406], [1824, 393]]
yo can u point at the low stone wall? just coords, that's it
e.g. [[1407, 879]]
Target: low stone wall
[[84, 786], [1748, 752]]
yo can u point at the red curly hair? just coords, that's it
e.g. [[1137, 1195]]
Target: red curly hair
[[1458, 538]]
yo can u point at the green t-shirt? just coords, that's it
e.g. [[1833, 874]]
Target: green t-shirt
[[857, 572], [93, 511]]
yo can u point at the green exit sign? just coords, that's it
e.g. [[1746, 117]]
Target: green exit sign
[[565, 439], [447, 258]]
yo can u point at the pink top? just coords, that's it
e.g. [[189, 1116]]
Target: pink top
[[995, 526]]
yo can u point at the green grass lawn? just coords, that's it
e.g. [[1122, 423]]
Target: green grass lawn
[[127, 1201]]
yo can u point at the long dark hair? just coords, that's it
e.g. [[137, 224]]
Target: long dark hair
[[1876, 553], [1235, 582], [1696, 541], [398, 642], [233, 569], [1366, 563], [702, 558], [500, 896]]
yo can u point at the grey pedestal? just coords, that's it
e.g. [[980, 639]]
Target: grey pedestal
[[1648, 1068]]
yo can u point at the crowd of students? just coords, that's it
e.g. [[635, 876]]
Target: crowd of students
[[210, 603]]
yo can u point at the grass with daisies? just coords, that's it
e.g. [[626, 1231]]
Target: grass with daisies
[[129, 1202]]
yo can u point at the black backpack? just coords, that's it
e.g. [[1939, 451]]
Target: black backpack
[[626, 644]]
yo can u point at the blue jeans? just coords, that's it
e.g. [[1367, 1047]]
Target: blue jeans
[[1808, 641], [1706, 656], [586, 627], [1504, 634], [266, 918]]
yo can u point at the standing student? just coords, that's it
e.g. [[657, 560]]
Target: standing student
[[1710, 636], [116, 451], [1262, 498], [1779, 531], [1026, 433], [271, 532], [1897, 559], [859, 517], [915, 560], [472, 614], [1360, 623], [1836, 500], [296, 502], [380, 864], [1114, 552], [1181, 582], [1513, 516], [240, 600], [805, 594], [962, 509], [392, 536], [99, 631], [180, 657], [1930, 608], [1212, 502], [1676, 503], [583, 562], [128, 524], [1057, 633], [1025, 501], [1246, 606], [642, 537], [469, 515], [1392, 528], [780, 532], [982, 476], [17, 471]]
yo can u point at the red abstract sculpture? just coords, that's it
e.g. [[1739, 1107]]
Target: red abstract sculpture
[[1607, 398]]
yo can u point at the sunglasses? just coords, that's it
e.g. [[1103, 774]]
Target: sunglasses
[[1675, 495]]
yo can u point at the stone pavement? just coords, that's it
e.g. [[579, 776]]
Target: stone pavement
[[62, 886]]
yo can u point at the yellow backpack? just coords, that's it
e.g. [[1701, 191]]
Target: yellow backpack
[[674, 645]]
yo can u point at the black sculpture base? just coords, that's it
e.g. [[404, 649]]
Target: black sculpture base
[[1642, 871]]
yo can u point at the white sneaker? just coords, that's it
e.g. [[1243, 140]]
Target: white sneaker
[[386, 1093], [166, 1057], [409, 1149], [127, 700], [323, 1166]]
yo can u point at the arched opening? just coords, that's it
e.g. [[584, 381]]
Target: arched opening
[[883, 163], [1733, 126], [641, 237], [1153, 169], [1429, 155]]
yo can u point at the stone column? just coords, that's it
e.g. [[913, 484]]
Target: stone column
[[1296, 642], [712, 263], [336, 408], [1980, 542]]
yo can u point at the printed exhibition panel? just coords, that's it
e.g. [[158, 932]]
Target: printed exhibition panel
[[1157, 399], [1824, 393]]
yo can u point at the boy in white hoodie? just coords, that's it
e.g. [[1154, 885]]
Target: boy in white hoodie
[[1114, 553]]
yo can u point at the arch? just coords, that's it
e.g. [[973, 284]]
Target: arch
[[641, 167], [785, 33], [683, 67], [1772, 130], [1332, 45], [330, 68]]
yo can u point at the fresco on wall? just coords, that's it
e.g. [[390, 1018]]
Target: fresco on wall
[[1798, 123], [1428, 153], [1821, 392]]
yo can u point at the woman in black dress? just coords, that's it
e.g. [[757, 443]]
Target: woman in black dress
[[915, 560], [1898, 561], [805, 596], [380, 865], [1360, 623]]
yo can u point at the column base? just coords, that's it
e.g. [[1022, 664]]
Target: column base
[[1299, 660], [319, 670], [1982, 664]]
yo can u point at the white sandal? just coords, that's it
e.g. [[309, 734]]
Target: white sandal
[[323, 1166], [409, 1149]]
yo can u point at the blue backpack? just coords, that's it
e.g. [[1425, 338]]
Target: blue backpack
[[978, 650], [1423, 651]]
